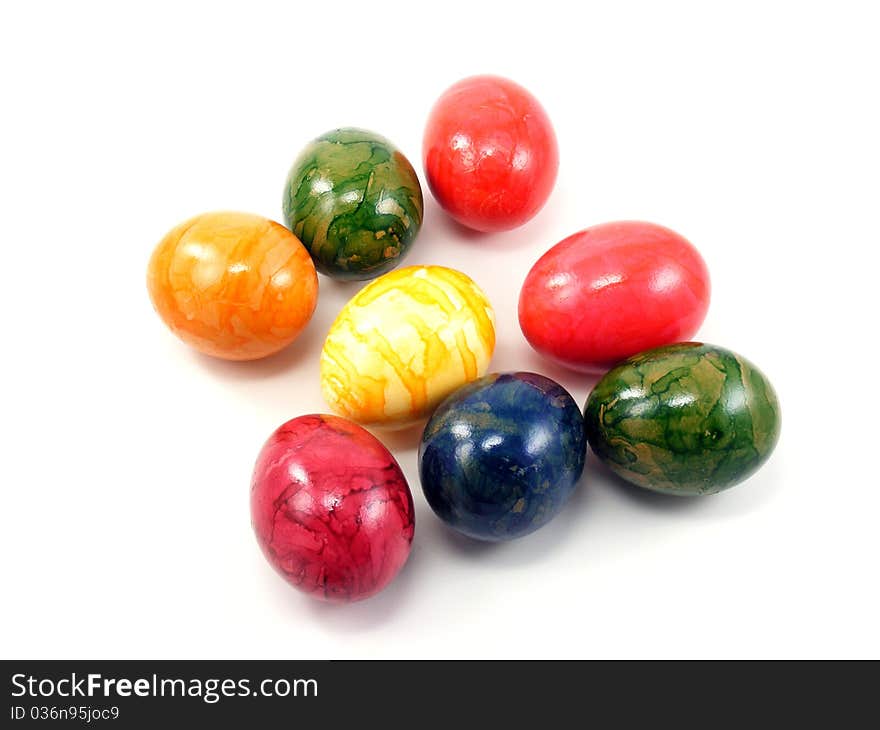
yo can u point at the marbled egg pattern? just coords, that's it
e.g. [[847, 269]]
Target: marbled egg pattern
[[233, 285], [331, 508], [405, 342], [685, 419], [501, 456], [355, 202]]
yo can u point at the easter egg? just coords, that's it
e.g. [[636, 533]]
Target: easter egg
[[685, 419], [331, 508], [405, 342], [612, 291], [233, 285], [500, 457], [355, 202], [490, 153]]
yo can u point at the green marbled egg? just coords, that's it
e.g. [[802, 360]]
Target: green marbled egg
[[355, 203], [686, 419]]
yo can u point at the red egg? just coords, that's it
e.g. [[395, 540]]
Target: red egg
[[490, 153], [612, 291], [331, 508]]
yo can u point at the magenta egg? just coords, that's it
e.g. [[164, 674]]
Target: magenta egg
[[331, 508]]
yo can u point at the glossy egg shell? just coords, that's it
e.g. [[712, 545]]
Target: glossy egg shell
[[233, 285], [355, 202], [612, 291], [331, 508], [490, 153], [501, 456], [405, 342], [686, 419]]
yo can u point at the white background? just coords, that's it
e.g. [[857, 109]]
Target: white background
[[751, 128]]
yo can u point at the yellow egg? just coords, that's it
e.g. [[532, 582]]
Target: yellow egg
[[405, 342]]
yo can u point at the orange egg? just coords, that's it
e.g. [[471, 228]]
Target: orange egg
[[233, 285]]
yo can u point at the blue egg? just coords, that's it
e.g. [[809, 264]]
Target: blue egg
[[501, 456]]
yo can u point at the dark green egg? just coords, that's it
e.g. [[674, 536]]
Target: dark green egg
[[687, 419], [355, 203]]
